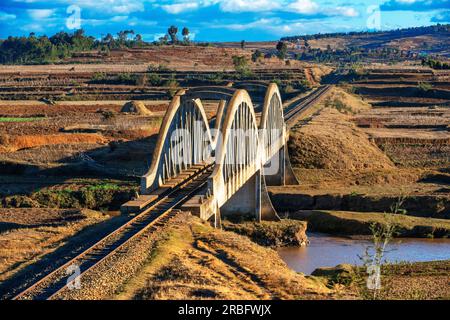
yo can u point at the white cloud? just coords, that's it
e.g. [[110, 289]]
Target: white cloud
[[118, 18], [38, 14], [121, 7], [180, 7], [33, 27], [273, 25], [248, 6], [344, 11], [103, 6], [304, 7], [6, 16]]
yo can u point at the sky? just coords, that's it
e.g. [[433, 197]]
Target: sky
[[217, 20]]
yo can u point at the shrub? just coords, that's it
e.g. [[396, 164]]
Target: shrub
[[241, 66], [424, 86], [154, 79], [257, 55], [173, 87], [99, 77]]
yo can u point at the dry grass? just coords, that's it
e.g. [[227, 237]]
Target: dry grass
[[417, 281], [331, 141], [26, 235], [351, 102], [336, 178], [197, 262], [31, 141]]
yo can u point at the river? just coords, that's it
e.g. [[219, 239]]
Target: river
[[329, 251]]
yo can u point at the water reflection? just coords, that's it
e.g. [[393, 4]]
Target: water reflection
[[328, 251]]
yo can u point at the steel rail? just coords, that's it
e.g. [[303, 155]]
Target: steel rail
[[142, 224], [311, 100]]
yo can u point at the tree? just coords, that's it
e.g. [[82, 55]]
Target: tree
[[172, 31], [282, 49], [164, 40], [185, 34], [241, 66], [257, 55], [138, 40]]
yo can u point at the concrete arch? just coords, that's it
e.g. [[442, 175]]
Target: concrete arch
[[237, 156], [277, 169], [272, 127], [184, 140]]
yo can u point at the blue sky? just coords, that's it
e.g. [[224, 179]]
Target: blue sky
[[218, 20]]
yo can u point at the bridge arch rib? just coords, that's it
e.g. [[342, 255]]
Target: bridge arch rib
[[184, 140], [237, 159], [277, 169], [272, 126]]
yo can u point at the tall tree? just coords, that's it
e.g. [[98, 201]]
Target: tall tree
[[172, 31], [185, 34], [282, 49]]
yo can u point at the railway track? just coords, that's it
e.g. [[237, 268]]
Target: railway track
[[293, 112], [155, 214]]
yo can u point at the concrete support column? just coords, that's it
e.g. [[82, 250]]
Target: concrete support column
[[275, 169], [246, 201], [290, 179]]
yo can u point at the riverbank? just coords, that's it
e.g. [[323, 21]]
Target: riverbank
[[271, 234], [404, 281], [359, 223], [192, 260]]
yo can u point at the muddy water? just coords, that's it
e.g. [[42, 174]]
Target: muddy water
[[329, 251]]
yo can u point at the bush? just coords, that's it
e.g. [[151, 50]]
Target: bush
[[126, 78], [173, 87], [424, 86], [241, 66], [99, 77], [257, 55], [154, 79]]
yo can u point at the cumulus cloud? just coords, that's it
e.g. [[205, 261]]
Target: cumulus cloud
[[280, 27], [442, 17], [101, 6], [301, 7], [415, 5], [38, 14], [272, 25], [304, 7], [177, 8], [6, 16], [248, 6], [345, 11]]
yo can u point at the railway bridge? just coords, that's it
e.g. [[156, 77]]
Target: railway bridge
[[211, 166], [242, 148]]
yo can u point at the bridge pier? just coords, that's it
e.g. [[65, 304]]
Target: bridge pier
[[246, 201], [274, 169]]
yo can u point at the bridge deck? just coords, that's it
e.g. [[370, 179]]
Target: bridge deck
[[138, 204]]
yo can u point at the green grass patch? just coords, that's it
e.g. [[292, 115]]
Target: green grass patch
[[14, 119]]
